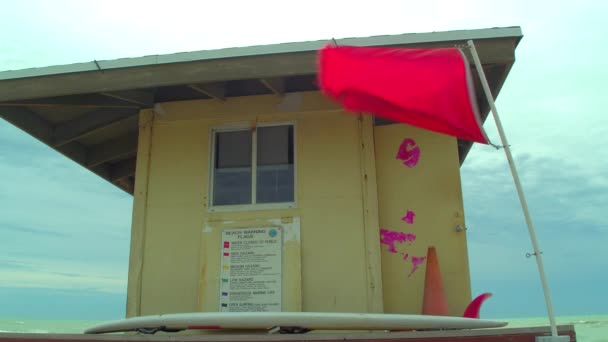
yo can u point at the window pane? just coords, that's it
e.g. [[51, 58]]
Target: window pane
[[232, 168], [275, 167]]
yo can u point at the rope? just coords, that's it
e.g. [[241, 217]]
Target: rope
[[498, 147]]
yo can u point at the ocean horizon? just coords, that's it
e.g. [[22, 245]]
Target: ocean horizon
[[589, 328]]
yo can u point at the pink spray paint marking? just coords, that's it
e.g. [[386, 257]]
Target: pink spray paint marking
[[416, 262], [409, 156], [404, 255], [389, 238], [409, 217]]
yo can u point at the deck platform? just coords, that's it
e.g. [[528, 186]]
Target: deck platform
[[526, 334]]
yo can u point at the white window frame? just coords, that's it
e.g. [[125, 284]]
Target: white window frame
[[253, 206]]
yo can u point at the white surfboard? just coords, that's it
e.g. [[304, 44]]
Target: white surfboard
[[290, 322]]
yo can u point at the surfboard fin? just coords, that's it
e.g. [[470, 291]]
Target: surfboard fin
[[472, 310]]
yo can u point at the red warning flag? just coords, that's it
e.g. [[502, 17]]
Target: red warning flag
[[428, 88]]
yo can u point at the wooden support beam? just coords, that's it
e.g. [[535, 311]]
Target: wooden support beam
[[42, 130], [276, 85], [122, 169], [74, 151], [87, 123], [84, 101], [28, 121], [138, 97], [102, 171], [111, 150], [140, 213], [214, 90], [371, 218], [127, 184]]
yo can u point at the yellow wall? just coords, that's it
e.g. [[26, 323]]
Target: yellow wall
[[175, 245], [348, 184], [431, 189]]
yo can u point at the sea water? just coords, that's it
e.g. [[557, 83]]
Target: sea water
[[588, 328]]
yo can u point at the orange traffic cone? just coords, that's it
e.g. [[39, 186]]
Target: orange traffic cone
[[434, 301]]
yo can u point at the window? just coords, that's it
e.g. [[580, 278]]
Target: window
[[253, 166]]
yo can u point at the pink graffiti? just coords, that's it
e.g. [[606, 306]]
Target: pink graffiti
[[404, 255], [389, 238], [416, 262], [409, 156], [409, 217]]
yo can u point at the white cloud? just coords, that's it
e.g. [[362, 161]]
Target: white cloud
[[555, 189], [62, 274], [566, 205]]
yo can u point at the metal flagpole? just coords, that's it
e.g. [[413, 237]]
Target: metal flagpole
[[520, 192]]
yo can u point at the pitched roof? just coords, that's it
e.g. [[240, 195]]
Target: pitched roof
[[88, 111]]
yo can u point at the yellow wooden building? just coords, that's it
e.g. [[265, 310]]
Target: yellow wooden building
[[211, 141]]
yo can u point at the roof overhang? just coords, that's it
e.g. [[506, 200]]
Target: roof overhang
[[88, 111]]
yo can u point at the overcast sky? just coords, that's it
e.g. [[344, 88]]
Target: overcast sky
[[64, 232]]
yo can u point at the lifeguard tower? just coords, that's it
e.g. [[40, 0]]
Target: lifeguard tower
[[253, 191]]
